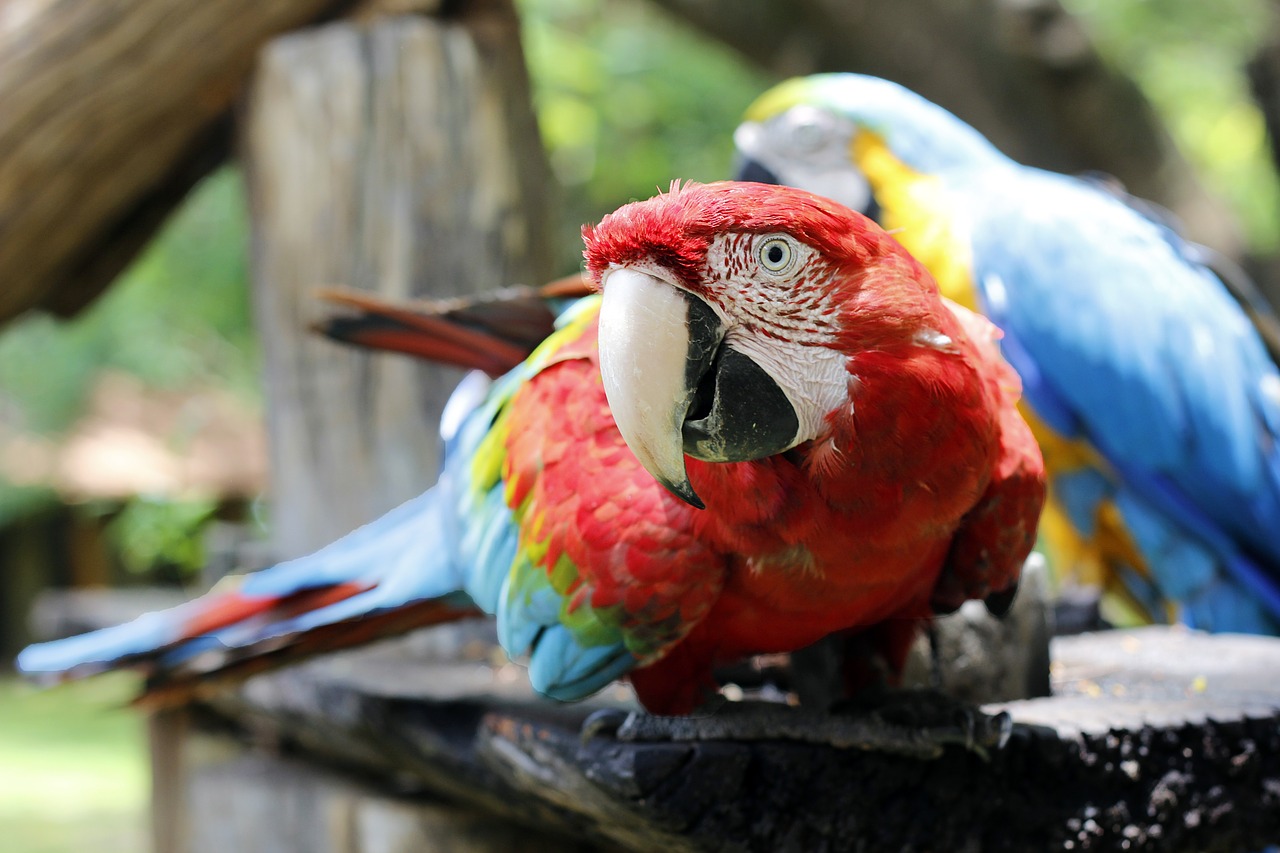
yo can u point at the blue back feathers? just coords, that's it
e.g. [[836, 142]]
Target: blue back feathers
[[920, 133]]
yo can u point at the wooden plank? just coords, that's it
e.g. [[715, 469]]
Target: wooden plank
[[254, 800], [1157, 738]]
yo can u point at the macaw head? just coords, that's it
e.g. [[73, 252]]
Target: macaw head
[[730, 313], [812, 132]]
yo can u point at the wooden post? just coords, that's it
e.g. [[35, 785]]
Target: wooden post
[[397, 155], [168, 733]]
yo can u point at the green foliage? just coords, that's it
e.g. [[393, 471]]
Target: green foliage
[[75, 769], [178, 315], [628, 100], [19, 501], [1188, 56], [151, 532]]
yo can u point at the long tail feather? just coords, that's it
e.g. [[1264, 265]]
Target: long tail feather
[[212, 672], [492, 333], [383, 325], [391, 575], [137, 642]]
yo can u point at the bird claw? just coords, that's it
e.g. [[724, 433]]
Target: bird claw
[[917, 724], [606, 721], [927, 720]]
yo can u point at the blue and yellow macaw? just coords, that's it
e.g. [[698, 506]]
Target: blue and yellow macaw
[[1154, 398]]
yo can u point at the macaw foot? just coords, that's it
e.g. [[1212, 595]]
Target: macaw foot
[[914, 723]]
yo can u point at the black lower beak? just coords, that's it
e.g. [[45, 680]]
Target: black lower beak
[[738, 412]]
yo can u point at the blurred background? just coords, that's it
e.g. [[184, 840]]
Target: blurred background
[[133, 450]]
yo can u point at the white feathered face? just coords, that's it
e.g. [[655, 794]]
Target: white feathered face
[[719, 326], [806, 147]]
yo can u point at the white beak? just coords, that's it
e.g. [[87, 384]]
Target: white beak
[[644, 362]]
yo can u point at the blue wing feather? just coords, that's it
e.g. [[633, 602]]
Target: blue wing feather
[[1125, 342], [457, 543], [493, 538], [563, 668]]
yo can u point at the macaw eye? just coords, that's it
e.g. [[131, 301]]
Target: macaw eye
[[776, 255]]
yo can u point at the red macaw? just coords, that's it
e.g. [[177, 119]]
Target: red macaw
[[767, 428]]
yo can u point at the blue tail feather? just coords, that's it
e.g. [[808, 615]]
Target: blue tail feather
[[524, 612], [1080, 493], [1180, 565], [1196, 536], [100, 648], [369, 551], [1224, 606], [1148, 596], [406, 555]]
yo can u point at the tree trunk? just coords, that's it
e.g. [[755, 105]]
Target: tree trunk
[[398, 155], [1023, 72], [113, 109]]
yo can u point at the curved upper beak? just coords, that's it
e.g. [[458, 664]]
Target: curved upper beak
[[656, 344]]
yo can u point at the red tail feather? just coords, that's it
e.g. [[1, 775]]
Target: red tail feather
[[202, 678], [493, 333], [233, 607]]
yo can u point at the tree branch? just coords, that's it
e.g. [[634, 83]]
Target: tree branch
[[112, 111], [1024, 72]]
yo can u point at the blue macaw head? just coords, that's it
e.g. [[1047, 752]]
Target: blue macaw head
[[803, 133]]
